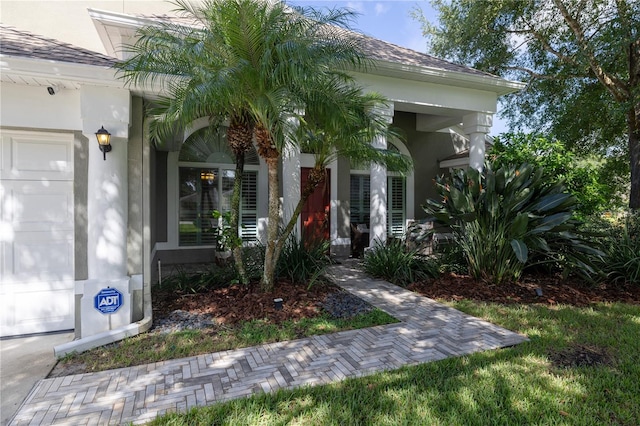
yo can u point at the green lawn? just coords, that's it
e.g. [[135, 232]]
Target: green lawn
[[514, 386], [154, 347]]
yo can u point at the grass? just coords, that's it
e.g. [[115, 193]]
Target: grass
[[148, 348], [519, 385]]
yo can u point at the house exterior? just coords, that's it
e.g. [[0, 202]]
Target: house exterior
[[75, 222]]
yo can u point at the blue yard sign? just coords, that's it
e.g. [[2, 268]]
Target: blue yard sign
[[108, 300]]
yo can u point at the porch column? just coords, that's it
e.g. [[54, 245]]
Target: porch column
[[477, 126], [378, 188], [291, 176], [107, 206]]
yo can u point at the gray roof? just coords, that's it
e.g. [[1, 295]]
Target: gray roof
[[385, 51], [14, 42], [376, 49]]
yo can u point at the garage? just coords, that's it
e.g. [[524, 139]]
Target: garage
[[36, 232]]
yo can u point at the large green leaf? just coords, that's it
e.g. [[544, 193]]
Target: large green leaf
[[520, 249], [458, 200], [550, 222], [520, 199], [519, 225], [550, 202]]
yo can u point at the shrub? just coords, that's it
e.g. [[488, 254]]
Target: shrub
[[303, 262], [215, 276], [398, 264], [588, 177], [510, 218], [622, 245]]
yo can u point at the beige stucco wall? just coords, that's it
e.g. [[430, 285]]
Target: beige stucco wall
[[135, 189], [68, 20], [427, 149]]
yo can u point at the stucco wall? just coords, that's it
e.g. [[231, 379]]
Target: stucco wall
[[135, 189], [427, 149], [159, 196], [80, 173], [68, 20]]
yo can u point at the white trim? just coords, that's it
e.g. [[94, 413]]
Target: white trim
[[455, 163], [62, 71], [451, 78]]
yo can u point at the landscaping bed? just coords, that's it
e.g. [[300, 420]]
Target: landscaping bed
[[555, 290]]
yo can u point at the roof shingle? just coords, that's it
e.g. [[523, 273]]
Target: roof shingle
[[14, 42], [376, 49]]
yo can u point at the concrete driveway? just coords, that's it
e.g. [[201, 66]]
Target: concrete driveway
[[23, 362]]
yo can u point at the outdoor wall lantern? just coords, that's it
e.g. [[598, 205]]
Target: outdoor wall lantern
[[104, 138]]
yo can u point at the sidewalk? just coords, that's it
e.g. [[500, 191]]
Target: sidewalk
[[428, 331]]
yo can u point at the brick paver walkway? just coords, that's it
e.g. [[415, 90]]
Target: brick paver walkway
[[428, 331]]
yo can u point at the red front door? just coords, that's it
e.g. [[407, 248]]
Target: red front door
[[315, 212]]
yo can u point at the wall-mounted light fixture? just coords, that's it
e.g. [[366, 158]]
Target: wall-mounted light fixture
[[104, 139]]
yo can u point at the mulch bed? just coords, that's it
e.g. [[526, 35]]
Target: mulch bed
[[238, 303], [555, 290]]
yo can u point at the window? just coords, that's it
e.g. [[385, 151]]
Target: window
[[207, 176], [361, 198], [395, 206]]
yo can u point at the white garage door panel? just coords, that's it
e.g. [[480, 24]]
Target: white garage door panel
[[38, 256], [39, 205], [31, 155], [36, 308], [36, 232]]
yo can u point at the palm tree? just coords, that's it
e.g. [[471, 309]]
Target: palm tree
[[250, 61], [292, 52], [193, 63]]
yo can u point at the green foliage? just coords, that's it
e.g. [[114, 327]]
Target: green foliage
[[576, 58], [303, 262], [157, 347], [622, 246], [584, 175], [226, 237], [397, 263], [510, 218], [215, 276]]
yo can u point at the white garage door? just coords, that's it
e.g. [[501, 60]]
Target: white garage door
[[36, 232]]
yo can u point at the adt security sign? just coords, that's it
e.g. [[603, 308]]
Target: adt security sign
[[108, 300]]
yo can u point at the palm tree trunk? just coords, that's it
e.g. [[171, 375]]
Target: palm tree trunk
[[271, 256], [235, 219]]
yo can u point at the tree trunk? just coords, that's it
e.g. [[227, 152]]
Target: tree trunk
[[235, 219], [271, 256], [633, 121]]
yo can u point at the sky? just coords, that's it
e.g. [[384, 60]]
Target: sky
[[388, 20], [391, 21]]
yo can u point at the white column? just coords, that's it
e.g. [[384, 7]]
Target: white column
[[107, 181], [291, 180], [378, 186], [107, 206], [477, 126]]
